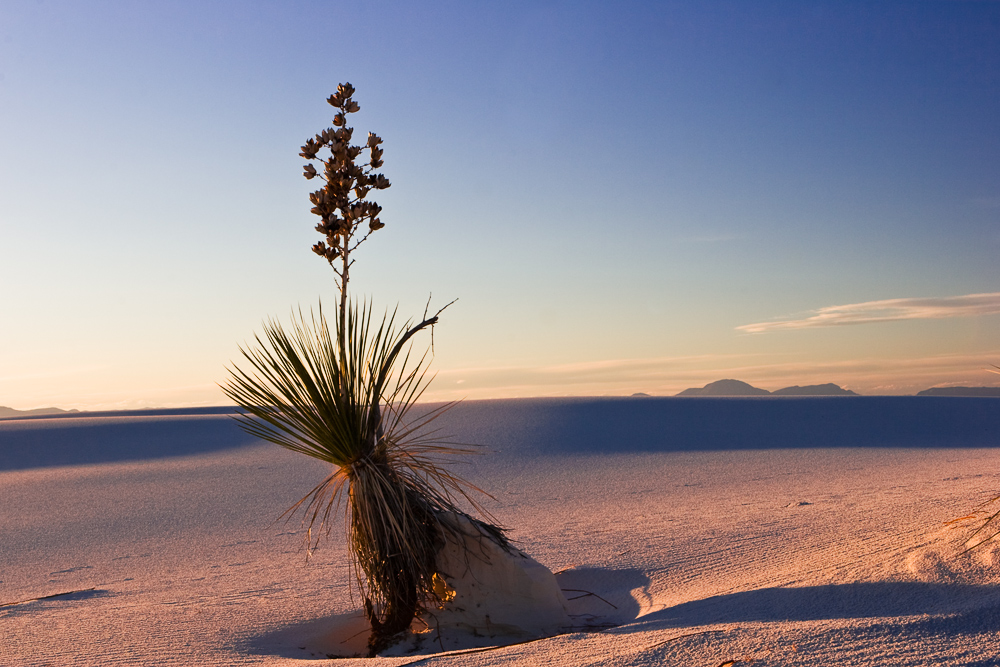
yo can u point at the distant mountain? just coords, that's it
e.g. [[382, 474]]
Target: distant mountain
[[828, 389], [726, 388], [738, 388], [11, 412], [961, 391]]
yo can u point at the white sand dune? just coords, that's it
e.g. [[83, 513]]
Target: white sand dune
[[794, 531]]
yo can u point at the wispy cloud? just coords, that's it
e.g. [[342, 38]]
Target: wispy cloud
[[889, 310]]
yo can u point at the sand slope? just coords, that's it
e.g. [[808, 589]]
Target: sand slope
[[691, 532]]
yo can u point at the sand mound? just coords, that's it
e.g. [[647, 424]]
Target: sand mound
[[493, 596], [495, 592], [941, 560]]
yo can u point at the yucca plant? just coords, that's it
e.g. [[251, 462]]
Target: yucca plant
[[350, 406], [347, 398]]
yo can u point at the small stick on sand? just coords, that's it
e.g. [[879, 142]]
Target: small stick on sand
[[585, 594]]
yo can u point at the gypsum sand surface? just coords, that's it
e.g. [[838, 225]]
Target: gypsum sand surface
[[698, 551]]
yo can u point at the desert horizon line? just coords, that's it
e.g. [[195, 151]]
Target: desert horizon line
[[660, 375], [689, 392]]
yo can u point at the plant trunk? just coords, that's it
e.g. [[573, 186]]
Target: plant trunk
[[397, 614], [397, 571]]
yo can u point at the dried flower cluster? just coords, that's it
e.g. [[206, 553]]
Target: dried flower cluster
[[342, 203]]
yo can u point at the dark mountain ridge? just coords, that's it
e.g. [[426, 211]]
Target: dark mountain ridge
[[739, 388], [725, 388], [6, 412]]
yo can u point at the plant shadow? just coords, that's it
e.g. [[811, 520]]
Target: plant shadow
[[336, 636], [959, 602], [598, 597]]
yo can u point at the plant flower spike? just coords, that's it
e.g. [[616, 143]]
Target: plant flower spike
[[345, 397]]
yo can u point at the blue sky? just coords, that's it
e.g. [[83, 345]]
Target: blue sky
[[624, 197]]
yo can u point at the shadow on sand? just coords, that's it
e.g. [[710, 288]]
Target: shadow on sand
[[537, 427], [20, 607], [598, 598], [609, 425], [949, 603], [38, 443], [336, 636], [603, 598]]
